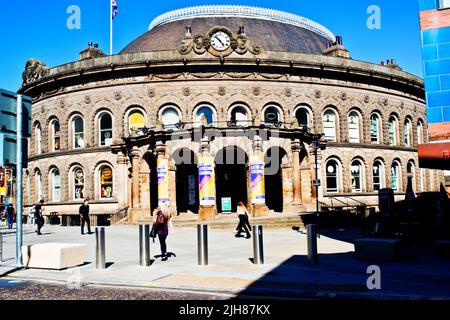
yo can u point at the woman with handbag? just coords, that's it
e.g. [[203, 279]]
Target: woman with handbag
[[244, 222], [161, 224]]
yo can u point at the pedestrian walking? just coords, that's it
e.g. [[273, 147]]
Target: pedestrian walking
[[161, 223], [244, 222], [10, 213], [39, 216], [84, 213]]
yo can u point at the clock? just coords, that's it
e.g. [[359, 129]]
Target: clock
[[220, 41]]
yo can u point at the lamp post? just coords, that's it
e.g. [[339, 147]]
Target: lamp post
[[317, 144]]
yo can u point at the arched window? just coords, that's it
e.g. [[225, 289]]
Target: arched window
[[353, 127], [420, 139], [329, 125], [78, 184], [239, 116], [393, 129], [410, 170], [38, 139], [303, 117], [375, 128], [332, 176], [136, 121], [106, 129], [106, 183], [170, 118], [55, 135], [395, 177], [38, 186], [78, 132], [408, 133], [272, 116], [55, 184], [356, 173], [378, 176], [204, 116]]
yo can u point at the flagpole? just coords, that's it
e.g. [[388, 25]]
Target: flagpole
[[111, 28]]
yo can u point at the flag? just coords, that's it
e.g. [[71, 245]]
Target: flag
[[115, 9]]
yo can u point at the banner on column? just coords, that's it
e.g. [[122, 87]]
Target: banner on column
[[257, 186], [207, 181], [163, 180]]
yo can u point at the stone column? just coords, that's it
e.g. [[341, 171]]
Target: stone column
[[135, 165], [258, 209], [122, 175], [207, 211], [296, 147]]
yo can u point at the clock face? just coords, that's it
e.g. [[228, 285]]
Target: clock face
[[220, 41]]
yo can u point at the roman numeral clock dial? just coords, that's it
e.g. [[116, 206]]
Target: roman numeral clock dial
[[220, 41]]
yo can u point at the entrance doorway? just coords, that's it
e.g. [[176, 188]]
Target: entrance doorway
[[231, 177], [274, 178], [186, 181]]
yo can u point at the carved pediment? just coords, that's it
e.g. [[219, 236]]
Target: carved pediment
[[34, 71]]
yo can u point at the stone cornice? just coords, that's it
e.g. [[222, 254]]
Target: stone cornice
[[69, 153]]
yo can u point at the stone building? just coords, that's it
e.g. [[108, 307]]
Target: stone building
[[221, 102]]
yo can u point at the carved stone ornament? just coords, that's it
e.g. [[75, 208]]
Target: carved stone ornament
[[344, 96], [385, 101], [34, 71], [288, 92], [186, 92], [61, 103], [151, 93], [318, 94], [201, 43], [87, 100], [402, 105], [256, 91], [222, 91], [366, 99], [117, 96]]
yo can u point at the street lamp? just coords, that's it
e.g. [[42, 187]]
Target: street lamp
[[317, 144]]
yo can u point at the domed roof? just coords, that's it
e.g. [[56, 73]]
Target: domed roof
[[271, 30]]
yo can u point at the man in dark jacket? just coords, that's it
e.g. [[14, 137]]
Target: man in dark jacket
[[84, 213], [39, 216]]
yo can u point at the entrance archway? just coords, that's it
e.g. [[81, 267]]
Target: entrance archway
[[231, 176], [187, 192], [149, 177], [273, 160]]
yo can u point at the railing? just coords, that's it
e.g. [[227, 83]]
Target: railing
[[345, 203], [119, 216]]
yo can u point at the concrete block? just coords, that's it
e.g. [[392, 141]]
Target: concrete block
[[56, 256], [378, 249]]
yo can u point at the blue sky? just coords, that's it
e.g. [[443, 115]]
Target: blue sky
[[31, 29]]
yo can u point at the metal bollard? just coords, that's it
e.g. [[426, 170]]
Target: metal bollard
[[144, 245], [100, 260], [258, 245], [202, 242], [312, 244]]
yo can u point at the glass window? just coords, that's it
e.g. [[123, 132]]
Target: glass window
[[78, 177], [136, 120], [303, 117], [106, 183], [170, 118], [353, 127], [78, 133], [392, 131], [395, 180], [106, 132], [56, 184], [444, 4], [239, 116], [356, 171], [204, 116], [56, 136], [420, 133], [38, 184], [375, 128], [408, 133], [332, 175], [377, 176], [410, 172], [271, 116], [38, 139], [329, 125]]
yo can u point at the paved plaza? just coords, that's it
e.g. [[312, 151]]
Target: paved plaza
[[285, 274]]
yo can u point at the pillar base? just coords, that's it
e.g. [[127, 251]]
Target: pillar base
[[136, 215], [260, 210], [207, 213]]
